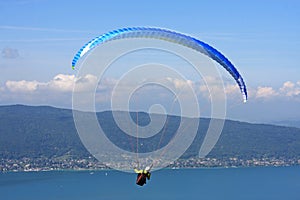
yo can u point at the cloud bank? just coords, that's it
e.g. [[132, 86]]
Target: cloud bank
[[64, 83], [58, 92], [288, 90]]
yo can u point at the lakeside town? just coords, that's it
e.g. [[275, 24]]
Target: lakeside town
[[44, 164]]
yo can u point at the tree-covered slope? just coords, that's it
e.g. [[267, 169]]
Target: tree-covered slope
[[27, 131]]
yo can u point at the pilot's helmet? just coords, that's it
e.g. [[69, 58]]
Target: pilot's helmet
[[147, 168]]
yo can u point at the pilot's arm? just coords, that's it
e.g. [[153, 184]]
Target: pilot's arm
[[138, 171]]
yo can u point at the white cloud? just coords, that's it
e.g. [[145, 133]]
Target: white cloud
[[265, 92], [86, 83], [214, 87], [60, 88], [232, 89], [201, 87], [61, 82], [57, 91], [22, 86], [290, 89], [107, 84], [180, 84]]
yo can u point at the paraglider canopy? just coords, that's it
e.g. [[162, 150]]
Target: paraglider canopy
[[167, 35]]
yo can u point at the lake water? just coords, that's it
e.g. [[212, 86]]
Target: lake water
[[233, 184]]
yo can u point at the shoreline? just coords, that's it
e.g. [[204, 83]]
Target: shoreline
[[90, 164], [166, 168]]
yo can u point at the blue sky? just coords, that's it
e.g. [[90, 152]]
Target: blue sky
[[38, 39]]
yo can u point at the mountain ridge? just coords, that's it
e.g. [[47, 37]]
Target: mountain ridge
[[45, 131]]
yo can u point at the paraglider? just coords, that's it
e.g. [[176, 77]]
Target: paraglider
[[142, 175], [167, 35]]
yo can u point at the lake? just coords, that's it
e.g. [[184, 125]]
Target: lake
[[209, 184]]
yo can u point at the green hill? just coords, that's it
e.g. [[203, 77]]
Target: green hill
[[42, 131]]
